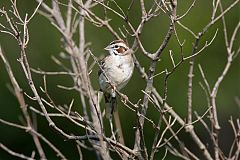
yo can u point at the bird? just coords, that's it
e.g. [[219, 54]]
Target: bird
[[116, 70]]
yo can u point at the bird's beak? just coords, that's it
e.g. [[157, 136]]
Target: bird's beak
[[107, 48]]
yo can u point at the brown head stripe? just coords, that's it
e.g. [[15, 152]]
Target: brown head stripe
[[117, 41]]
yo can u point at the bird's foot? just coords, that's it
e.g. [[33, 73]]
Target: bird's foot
[[124, 98]]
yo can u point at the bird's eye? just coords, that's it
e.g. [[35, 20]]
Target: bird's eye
[[116, 46]]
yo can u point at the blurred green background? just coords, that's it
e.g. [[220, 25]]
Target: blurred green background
[[45, 42]]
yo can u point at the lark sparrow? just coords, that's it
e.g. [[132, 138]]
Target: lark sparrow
[[116, 70]]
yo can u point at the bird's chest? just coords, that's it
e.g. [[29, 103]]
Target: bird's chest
[[119, 69]]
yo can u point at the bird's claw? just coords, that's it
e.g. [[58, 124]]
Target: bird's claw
[[124, 98]]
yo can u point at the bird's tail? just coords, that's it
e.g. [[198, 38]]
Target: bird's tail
[[110, 110], [110, 104]]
